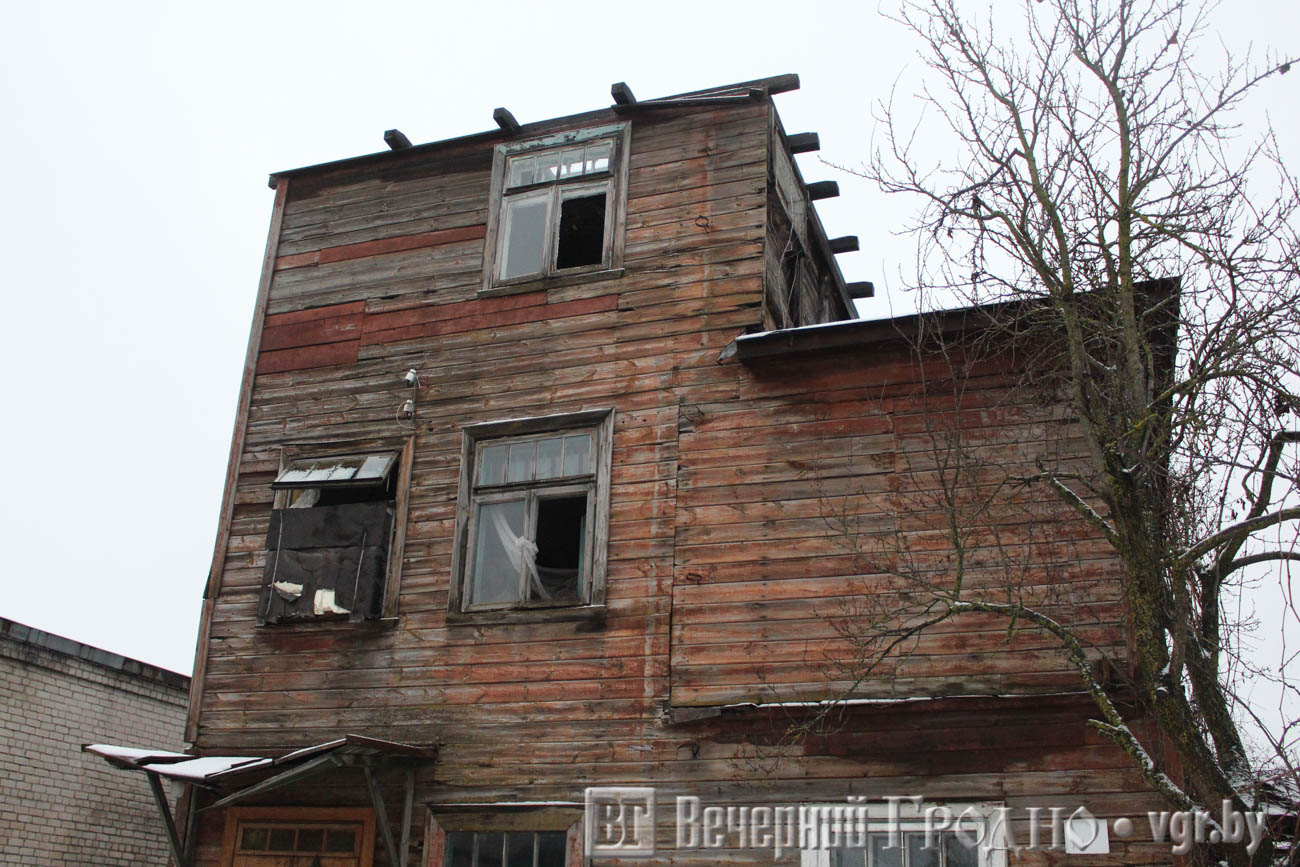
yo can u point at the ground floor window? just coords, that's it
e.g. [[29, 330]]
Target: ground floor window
[[266, 836], [505, 849], [960, 836]]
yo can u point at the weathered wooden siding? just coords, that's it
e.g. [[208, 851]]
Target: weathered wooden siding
[[807, 506], [723, 567]]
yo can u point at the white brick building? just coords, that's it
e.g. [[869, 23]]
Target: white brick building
[[59, 805]]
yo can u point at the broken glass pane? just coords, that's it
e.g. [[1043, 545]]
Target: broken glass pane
[[374, 467], [524, 233], [598, 157], [582, 231], [577, 454], [498, 553], [354, 470], [571, 164], [561, 541], [548, 167]]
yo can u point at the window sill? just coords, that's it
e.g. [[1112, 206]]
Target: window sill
[[340, 621], [550, 282], [591, 615]]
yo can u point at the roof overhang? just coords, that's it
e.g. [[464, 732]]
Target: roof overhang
[[248, 776], [711, 98]]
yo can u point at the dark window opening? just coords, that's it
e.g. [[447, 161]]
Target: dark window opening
[[499, 849], [561, 540], [343, 496], [582, 232], [327, 549], [301, 840]]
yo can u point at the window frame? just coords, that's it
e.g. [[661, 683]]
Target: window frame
[[911, 821], [474, 438], [291, 453], [554, 192], [359, 818]]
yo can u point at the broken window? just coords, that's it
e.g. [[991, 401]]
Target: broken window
[[555, 204], [505, 849], [535, 501], [327, 548]]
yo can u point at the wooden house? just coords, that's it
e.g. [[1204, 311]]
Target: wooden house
[[562, 461]]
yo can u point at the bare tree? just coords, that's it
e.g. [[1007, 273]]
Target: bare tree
[[1098, 195]]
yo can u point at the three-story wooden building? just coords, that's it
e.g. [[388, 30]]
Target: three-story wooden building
[[540, 480]]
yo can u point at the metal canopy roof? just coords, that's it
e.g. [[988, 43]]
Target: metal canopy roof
[[210, 772]]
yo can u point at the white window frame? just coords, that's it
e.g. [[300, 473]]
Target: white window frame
[[597, 423], [613, 182], [911, 820]]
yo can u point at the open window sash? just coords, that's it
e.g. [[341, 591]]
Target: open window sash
[[503, 561]]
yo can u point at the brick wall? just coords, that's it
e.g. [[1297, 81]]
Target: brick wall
[[59, 805]]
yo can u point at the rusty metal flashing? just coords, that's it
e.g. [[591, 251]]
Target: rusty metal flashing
[[860, 333]]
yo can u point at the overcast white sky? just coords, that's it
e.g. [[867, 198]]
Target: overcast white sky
[[135, 140]]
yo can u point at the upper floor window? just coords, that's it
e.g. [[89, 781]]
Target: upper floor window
[[333, 548], [533, 510], [557, 206]]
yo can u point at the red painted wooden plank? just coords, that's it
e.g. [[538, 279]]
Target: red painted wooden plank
[[311, 314], [335, 330], [493, 320], [302, 358], [397, 244], [437, 312]]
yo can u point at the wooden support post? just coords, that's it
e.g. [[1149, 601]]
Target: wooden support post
[[396, 139], [622, 93], [506, 120], [823, 190], [845, 244], [160, 798], [381, 814], [862, 289], [407, 802], [803, 142]]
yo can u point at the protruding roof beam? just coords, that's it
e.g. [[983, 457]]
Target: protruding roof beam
[[396, 139], [862, 289], [622, 93], [781, 83], [803, 142], [845, 244], [506, 120], [823, 190]]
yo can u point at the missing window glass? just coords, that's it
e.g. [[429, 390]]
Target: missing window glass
[[582, 231], [561, 540]]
